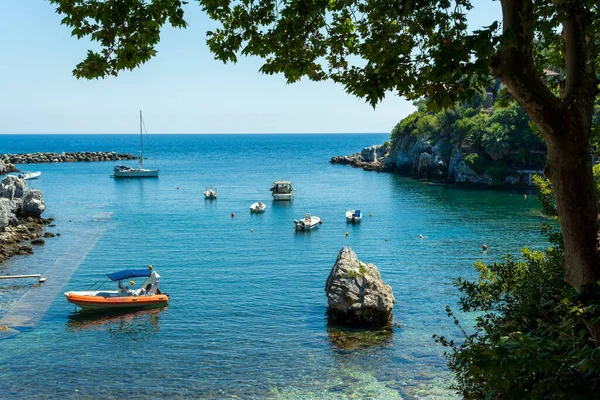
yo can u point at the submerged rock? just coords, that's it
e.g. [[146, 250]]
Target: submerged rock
[[356, 294]]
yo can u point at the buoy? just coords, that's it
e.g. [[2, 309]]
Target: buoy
[[150, 266], [346, 233], [483, 247], [132, 283], [232, 215], [370, 215]]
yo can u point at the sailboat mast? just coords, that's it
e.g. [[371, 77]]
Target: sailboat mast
[[141, 144]]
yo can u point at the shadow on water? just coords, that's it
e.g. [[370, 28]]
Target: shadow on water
[[134, 324], [349, 339]]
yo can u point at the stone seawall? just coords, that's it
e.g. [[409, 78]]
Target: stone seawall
[[49, 157]]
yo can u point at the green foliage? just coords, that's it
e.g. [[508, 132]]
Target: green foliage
[[362, 269], [531, 338], [499, 171], [477, 163], [127, 31], [353, 274]]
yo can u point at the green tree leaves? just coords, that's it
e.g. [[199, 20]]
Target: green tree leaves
[[127, 31]]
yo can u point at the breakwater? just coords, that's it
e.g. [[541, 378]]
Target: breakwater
[[50, 157]]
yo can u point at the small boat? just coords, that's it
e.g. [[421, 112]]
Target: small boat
[[147, 296], [283, 190], [29, 175], [125, 171], [210, 193], [309, 222], [258, 207], [353, 216]]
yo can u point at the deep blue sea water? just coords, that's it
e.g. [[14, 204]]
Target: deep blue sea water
[[247, 312]]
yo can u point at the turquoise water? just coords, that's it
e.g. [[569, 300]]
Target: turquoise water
[[247, 311]]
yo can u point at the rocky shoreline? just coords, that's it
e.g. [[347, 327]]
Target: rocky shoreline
[[50, 157], [427, 162], [21, 224]]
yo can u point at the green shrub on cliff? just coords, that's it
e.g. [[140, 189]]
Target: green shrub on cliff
[[501, 132], [475, 162]]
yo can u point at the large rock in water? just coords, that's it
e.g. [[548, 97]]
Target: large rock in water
[[356, 294]]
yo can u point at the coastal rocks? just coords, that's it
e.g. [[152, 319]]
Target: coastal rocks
[[466, 174], [49, 157], [20, 221], [356, 294], [5, 168], [370, 158], [12, 187], [33, 204]]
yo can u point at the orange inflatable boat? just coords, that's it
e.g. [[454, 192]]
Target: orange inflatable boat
[[148, 296]]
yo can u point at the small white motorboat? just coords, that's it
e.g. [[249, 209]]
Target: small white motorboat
[[258, 207], [283, 190], [353, 216], [29, 175], [210, 193], [309, 222]]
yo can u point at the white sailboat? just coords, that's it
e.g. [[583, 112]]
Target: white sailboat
[[125, 171]]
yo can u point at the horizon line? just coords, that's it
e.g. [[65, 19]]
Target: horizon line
[[199, 133]]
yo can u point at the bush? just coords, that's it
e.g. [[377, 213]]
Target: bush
[[476, 162], [499, 171], [531, 338]]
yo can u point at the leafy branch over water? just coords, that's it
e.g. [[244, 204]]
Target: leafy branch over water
[[531, 339]]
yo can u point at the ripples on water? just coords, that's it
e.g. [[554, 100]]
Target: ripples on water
[[247, 311]]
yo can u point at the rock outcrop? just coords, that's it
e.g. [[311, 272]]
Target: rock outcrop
[[437, 160], [20, 217], [356, 294], [33, 204], [370, 158], [6, 167]]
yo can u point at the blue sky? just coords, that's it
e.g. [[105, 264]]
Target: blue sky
[[182, 90]]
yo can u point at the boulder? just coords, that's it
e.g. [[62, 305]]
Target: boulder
[[356, 294], [33, 204], [8, 209], [13, 187]]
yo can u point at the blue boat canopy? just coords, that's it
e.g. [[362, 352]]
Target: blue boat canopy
[[129, 273]]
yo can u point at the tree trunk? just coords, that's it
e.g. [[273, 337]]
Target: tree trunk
[[565, 122], [569, 169]]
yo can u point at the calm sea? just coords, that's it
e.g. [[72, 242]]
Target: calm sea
[[247, 312]]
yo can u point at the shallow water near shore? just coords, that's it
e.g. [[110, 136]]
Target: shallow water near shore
[[247, 312]]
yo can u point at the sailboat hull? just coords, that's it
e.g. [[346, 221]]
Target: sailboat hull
[[137, 173]]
